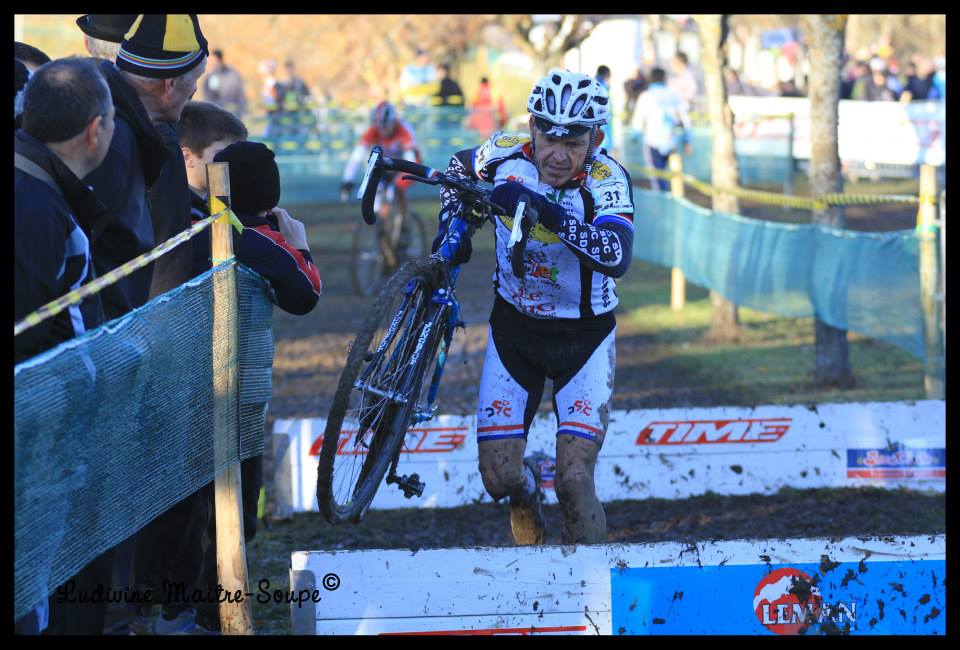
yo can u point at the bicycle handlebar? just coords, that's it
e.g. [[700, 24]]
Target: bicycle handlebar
[[377, 164]]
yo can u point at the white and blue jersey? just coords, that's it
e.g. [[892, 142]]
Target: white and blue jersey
[[570, 272]]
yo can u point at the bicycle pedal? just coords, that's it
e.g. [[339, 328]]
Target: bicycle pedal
[[411, 485]]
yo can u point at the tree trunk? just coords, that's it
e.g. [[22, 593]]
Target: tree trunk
[[831, 353], [724, 322]]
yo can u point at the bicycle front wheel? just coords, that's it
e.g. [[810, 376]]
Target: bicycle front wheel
[[367, 263], [378, 390]]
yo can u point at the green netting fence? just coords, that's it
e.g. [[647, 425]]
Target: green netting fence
[[863, 282], [114, 427]]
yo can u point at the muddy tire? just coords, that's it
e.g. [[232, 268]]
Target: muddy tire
[[377, 391]]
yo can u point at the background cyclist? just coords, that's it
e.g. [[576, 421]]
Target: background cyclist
[[397, 139], [557, 321]]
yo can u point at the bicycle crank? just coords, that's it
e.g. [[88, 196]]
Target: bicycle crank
[[411, 485]]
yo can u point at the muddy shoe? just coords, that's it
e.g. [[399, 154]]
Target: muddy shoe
[[526, 520]]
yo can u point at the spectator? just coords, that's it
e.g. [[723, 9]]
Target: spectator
[[270, 90], [293, 90], [682, 80], [20, 77], [164, 90], [450, 93], [632, 88], [787, 88], [486, 118], [144, 184], [659, 115], [223, 86], [29, 56], [68, 123], [102, 33], [876, 86], [418, 81], [275, 246], [137, 155], [940, 77], [603, 76]]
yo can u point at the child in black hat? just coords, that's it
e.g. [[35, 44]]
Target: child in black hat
[[273, 244]]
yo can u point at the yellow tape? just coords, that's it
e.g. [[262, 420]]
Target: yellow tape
[[75, 296], [821, 202]]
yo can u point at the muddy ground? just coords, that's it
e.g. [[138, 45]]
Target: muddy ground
[[310, 352]]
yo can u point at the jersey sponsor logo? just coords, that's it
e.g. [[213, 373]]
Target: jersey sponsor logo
[[499, 407], [507, 141], [896, 462], [787, 601], [695, 432], [514, 179], [530, 302], [580, 406], [539, 233], [433, 440], [600, 172], [543, 272]]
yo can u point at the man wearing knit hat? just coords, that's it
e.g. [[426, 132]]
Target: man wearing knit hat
[[158, 64], [103, 33], [143, 183]]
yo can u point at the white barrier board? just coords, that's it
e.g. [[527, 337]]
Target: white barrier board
[[667, 453], [854, 585]]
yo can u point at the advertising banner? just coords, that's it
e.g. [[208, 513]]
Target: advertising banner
[[663, 453], [756, 587]]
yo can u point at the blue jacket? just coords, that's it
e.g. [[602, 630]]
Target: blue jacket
[[293, 279], [51, 252]]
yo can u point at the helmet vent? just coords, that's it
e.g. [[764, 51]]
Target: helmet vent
[[556, 79], [578, 105], [551, 101], [584, 83], [538, 105], [565, 96]]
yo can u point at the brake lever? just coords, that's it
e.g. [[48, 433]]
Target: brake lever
[[517, 232]]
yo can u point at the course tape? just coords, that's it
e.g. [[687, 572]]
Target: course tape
[[817, 202], [56, 306]]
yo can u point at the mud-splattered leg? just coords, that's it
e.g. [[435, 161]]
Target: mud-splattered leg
[[584, 521], [582, 405]]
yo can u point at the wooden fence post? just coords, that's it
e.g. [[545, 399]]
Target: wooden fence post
[[927, 232], [235, 617], [678, 283]]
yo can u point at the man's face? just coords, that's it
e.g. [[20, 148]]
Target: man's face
[[184, 89], [559, 159]]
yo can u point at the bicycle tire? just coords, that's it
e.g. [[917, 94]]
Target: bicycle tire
[[366, 259], [367, 263], [347, 484]]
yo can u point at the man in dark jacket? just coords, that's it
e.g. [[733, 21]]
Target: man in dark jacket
[[67, 128], [150, 86]]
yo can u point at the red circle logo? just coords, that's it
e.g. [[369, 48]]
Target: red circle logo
[[787, 602]]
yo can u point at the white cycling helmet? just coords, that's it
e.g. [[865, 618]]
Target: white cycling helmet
[[568, 103]]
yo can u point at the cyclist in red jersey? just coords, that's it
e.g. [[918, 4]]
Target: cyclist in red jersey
[[397, 139]]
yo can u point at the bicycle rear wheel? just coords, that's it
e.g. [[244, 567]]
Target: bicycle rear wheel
[[378, 391]]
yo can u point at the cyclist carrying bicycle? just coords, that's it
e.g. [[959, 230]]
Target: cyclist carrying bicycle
[[397, 139], [557, 321]]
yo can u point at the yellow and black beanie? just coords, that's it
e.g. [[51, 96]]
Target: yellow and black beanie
[[162, 46]]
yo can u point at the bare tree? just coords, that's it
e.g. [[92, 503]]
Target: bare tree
[[559, 35], [724, 324], [826, 35]]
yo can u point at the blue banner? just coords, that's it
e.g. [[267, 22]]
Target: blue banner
[[905, 597]]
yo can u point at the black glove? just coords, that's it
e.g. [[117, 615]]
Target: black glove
[[346, 189], [508, 194]]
